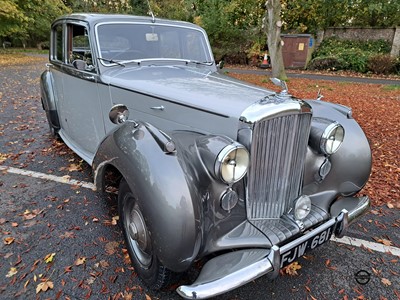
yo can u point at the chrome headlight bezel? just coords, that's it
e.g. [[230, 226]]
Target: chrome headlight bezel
[[326, 136], [232, 163], [332, 138]]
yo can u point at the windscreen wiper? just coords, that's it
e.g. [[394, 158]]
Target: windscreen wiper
[[205, 63], [111, 61]]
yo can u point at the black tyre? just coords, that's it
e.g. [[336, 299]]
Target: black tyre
[[138, 240]]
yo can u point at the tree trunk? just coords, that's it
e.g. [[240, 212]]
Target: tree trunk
[[273, 26]]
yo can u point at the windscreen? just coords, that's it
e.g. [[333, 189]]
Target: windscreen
[[126, 41]]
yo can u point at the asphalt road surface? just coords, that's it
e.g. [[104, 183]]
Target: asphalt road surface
[[60, 235]]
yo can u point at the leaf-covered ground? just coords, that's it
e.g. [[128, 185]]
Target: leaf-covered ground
[[12, 59], [63, 242], [377, 109]]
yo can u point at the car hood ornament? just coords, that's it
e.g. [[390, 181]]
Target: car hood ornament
[[284, 93]]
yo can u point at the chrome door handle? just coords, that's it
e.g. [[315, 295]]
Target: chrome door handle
[[91, 78], [158, 107]]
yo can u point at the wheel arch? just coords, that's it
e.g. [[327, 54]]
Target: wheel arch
[[350, 166], [48, 99], [165, 191]]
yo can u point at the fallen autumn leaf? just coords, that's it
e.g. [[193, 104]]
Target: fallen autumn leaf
[[386, 282], [49, 258], [292, 268], [80, 261], [8, 240], [44, 286], [12, 272]]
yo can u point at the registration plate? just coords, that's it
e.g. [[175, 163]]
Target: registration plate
[[296, 249]]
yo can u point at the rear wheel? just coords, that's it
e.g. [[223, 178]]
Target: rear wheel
[[138, 240]]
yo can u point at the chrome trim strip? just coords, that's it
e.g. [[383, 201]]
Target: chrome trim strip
[[277, 152], [275, 259], [361, 208], [309, 234], [273, 106], [228, 282]]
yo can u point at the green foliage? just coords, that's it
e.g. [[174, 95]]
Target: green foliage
[[139, 7], [375, 13], [12, 20], [233, 27], [100, 6], [338, 54], [355, 60], [41, 14], [391, 87], [334, 46], [27, 22], [310, 16], [325, 63], [22, 51], [173, 9]]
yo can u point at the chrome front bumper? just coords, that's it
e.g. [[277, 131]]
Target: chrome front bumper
[[232, 270]]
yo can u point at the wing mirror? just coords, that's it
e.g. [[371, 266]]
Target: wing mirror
[[119, 114], [82, 65]]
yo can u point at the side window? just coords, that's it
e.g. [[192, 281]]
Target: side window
[[79, 50], [58, 43]]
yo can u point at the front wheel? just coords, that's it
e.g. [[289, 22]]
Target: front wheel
[[138, 240]]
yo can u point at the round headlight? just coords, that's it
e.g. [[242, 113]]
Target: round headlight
[[232, 163], [302, 207], [332, 138]]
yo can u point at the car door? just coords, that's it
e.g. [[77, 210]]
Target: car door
[[81, 109]]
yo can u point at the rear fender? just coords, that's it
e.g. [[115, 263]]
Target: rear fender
[[49, 99], [165, 192]]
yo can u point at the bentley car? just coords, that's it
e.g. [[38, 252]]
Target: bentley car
[[208, 168]]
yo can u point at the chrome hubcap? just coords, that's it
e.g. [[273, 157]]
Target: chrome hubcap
[[138, 235]]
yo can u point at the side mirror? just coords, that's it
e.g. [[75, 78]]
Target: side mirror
[[118, 114], [82, 65], [79, 64]]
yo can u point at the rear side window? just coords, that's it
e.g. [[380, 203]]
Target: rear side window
[[58, 43]]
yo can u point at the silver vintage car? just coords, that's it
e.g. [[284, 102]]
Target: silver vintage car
[[207, 167]]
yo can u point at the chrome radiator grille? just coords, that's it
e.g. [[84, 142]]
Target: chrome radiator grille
[[278, 151]]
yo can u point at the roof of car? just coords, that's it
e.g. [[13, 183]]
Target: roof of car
[[95, 18]]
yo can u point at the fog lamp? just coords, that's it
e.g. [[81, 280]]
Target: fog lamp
[[302, 207], [229, 200]]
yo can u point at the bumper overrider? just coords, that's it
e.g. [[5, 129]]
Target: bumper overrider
[[232, 270]]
